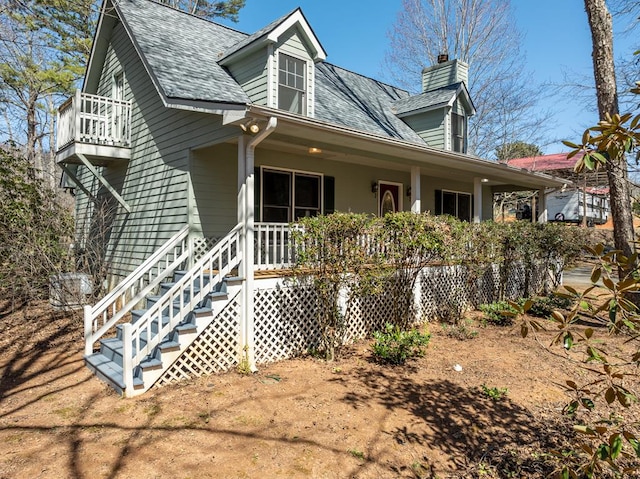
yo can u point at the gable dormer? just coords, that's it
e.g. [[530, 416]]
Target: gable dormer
[[441, 112], [276, 65]]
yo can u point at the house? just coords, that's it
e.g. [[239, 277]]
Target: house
[[587, 199], [192, 146]]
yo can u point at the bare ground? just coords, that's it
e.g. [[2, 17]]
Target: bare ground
[[303, 418]]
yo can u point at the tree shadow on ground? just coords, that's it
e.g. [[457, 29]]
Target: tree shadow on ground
[[464, 423]]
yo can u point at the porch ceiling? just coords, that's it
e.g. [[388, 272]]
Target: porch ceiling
[[297, 135]]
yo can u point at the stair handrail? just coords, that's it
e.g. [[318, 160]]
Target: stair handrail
[[138, 284], [189, 291]]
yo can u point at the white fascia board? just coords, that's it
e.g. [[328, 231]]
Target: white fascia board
[[487, 166], [298, 18], [98, 42], [462, 90], [437, 106]]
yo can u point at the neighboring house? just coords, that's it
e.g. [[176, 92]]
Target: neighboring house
[[587, 198], [194, 134]]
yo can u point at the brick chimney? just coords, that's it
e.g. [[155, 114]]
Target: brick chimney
[[446, 72]]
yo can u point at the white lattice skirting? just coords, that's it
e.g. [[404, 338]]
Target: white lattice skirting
[[286, 324]]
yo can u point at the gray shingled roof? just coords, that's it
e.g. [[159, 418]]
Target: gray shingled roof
[[182, 50], [427, 99], [257, 35], [358, 102]]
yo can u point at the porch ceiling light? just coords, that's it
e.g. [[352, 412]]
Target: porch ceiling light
[[314, 151], [484, 180]]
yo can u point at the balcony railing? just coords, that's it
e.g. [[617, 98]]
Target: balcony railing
[[93, 119]]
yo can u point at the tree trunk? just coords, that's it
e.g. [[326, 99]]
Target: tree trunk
[[605, 79]]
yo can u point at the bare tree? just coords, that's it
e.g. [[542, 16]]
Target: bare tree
[[483, 34], [601, 26]]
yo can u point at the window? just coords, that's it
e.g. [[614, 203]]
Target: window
[[291, 84], [457, 133], [290, 195], [455, 204], [118, 86]]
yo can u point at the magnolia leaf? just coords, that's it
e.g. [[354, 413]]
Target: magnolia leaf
[[615, 444], [571, 290], [608, 283], [604, 452], [610, 395], [635, 444], [589, 404], [571, 145], [567, 341], [588, 162], [595, 275], [582, 429], [572, 385]]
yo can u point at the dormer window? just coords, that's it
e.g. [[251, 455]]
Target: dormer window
[[457, 132], [292, 84]]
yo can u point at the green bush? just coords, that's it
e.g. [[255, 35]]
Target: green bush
[[543, 306], [500, 313], [395, 346]]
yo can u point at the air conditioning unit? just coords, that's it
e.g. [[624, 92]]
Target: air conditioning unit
[[70, 290]]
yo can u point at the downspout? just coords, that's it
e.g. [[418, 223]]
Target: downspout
[[248, 230]]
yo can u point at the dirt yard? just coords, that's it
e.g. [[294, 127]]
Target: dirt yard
[[303, 418]]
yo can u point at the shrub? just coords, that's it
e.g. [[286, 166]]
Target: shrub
[[395, 346], [461, 330], [500, 313], [544, 306]]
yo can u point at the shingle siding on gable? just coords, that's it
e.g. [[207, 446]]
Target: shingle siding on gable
[[251, 74], [430, 127]]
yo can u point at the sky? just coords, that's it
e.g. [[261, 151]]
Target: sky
[[556, 42]]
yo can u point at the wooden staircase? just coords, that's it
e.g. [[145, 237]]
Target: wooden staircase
[[178, 307], [107, 363]]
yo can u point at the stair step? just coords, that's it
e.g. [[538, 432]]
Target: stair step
[[169, 346], [186, 328], [153, 363], [110, 372], [164, 287]]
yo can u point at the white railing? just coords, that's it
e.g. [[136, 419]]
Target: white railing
[[143, 280], [273, 246], [140, 338], [94, 119]]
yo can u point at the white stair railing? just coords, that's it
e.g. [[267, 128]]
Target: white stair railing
[[178, 302], [143, 280]]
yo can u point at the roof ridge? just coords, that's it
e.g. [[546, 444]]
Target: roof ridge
[[193, 15]]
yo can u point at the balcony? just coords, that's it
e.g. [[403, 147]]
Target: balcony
[[95, 127]]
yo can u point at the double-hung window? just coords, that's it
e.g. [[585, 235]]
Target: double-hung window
[[292, 84], [290, 195], [454, 203], [457, 132]]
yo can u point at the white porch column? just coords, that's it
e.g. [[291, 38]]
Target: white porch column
[[242, 268], [247, 344], [542, 206], [415, 190], [477, 200]]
